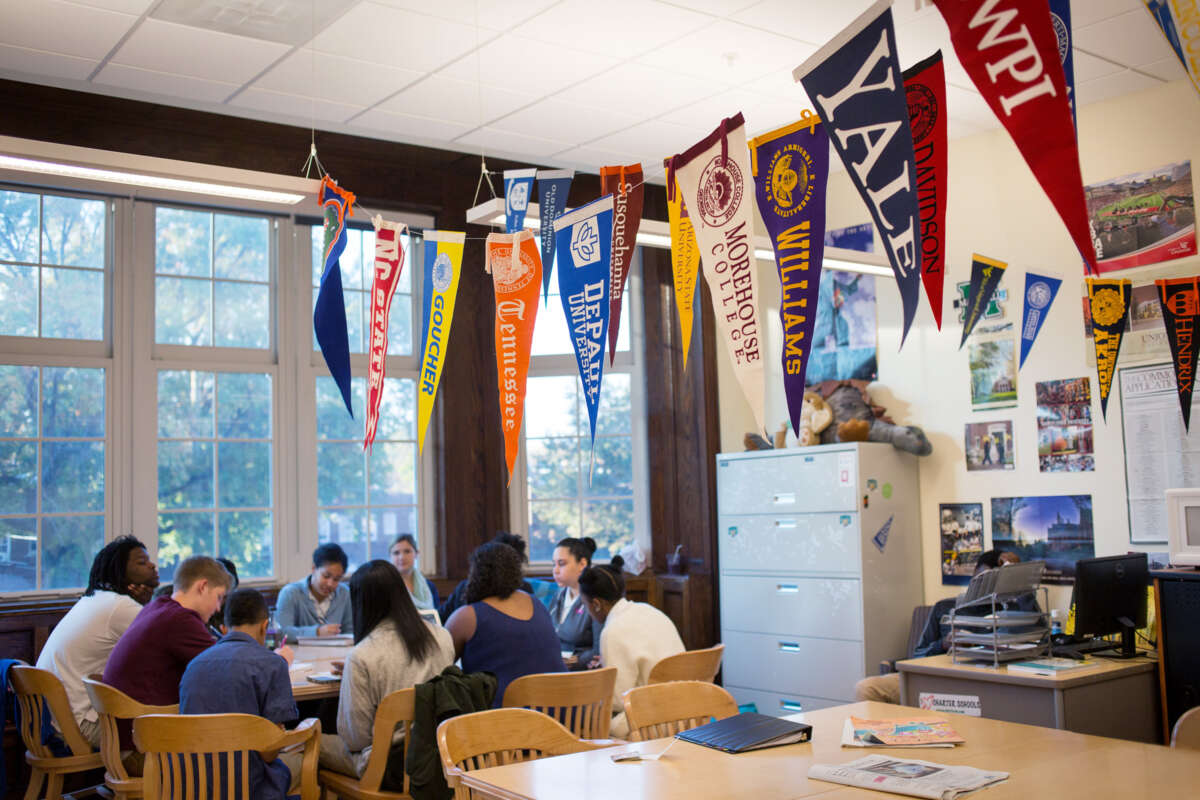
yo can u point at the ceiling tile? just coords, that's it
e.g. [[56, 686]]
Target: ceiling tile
[[1129, 38], [706, 113], [457, 101], [343, 80], [1169, 68], [166, 47], [296, 109], [519, 61], [165, 83], [637, 88], [564, 121], [135, 7], [815, 23], [729, 54], [398, 38], [605, 27], [56, 27], [406, 127], [920, 37], [492, 17], [591, 159], [1093, 11], [652, 141], [1089, 67], [717, 8], [38, 63], [525, 148], [969, 106], [1113, 86]]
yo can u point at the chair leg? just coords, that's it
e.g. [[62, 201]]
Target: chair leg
[[54, 784], [34, 790]]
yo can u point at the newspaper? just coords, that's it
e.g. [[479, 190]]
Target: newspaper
[[907, 776]]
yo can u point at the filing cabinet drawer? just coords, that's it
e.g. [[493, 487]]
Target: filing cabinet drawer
[[779, 705], [827, 607], [793, 665], [824, 543], [786, 483]]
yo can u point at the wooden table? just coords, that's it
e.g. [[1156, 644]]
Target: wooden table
[[1043, 762], [1108, 698], [322, 659]]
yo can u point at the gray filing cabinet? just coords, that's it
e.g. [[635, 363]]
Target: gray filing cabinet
[[809, 602]]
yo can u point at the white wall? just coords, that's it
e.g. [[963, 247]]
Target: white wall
[[996, 208]]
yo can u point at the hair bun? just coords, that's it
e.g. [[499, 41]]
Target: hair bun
[[589, 544], [617, 562]]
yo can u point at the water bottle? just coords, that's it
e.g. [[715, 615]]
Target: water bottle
[[273, 639], [1056, 626]]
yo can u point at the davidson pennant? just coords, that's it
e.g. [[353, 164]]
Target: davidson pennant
[[443, 269], [329, 312], [553, 187], [1180, 300], [925, 92], [626, 187], [685, 263], [518, 186], [985, 277], [1108, 299], [389, 264], [1039, 294]]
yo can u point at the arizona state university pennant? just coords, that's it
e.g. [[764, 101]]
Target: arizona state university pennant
[[1180, 300], [518, 186], [329, 312], [790, 167], [1108, 299], [925, 92], [553, 187], [389, 264], [1039, 294], [443, 268], [985, 277], [685, 263], [516, 268], [625, 185]]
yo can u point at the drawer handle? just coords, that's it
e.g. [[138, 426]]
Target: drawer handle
[[790, 705], [785, 523], [789, 647], [787, 588], [784, 498]]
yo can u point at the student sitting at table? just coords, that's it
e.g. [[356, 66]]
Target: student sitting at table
[[216, 623], [404, 554], [502, 630], [239, 675], [120, 583], [578, 632], [636, 636], [458, 598], [394, 648], [317, 604]]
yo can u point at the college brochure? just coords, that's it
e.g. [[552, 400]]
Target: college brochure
[[899, 733]]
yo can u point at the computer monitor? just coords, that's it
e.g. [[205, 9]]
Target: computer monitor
[[1110, 597]]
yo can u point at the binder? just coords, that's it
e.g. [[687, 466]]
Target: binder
[[749, 731]]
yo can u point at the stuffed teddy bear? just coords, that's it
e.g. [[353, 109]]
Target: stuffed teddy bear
[[815, 416]]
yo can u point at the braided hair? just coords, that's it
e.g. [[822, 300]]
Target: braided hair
[[604, 581], [108, 567]]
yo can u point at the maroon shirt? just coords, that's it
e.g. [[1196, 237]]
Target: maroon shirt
[[152, 654]]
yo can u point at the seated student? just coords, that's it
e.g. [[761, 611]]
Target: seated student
[[216, 623], [578, 632], [394, 649], [404, 554], [317, 604], [636, 636], [935, 637], [151, 656], [458, 598], [502, 630], [120, 582]]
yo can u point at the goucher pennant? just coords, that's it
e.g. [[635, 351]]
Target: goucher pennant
[[1108, 300], [685, 264], [389, 264], [443, 269], [1180, 300]]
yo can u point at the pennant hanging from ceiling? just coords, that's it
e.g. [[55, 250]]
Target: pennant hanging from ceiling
[[585, 241], [329, 312], [685, 263], [1108, 300], [1009, 49], [925, 93], [389, 264], [985, 277], [516, 269], [854, 81], [518, 186], [625, 185], [443, 268], [1039, 294], [714, 178], [790, 167], [1060, 20], [1179, 22], [553, 186], [1180, 301]]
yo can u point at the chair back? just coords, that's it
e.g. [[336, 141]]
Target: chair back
[[113, 704], [920, 618], [580, 701], [497, 737], [664, 709], [396, 709], [1187, 730], [37, 691], [690, 665]]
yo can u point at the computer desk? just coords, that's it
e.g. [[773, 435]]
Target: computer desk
[[1117, 698]]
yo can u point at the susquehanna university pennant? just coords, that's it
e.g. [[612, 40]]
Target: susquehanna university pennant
[[443, 269], [553, 187], [624, 183], [1108, 299], [1180, 301], [925, 92], [685, 264], [389, 264], [329, 312], [518, 186], [985, 277]]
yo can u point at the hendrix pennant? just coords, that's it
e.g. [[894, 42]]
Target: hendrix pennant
[[625, 185], [1180, 301], [985, 277], [685, 264], [1040, 291], [518, 186], [443, 269], [329, 312], [925, 92], [389, 264], [1108, 299], [553, 187]]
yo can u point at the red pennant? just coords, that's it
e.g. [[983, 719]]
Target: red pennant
[[925, 92], [1010, 50], [625, 184]]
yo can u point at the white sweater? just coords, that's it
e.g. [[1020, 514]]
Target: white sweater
[[636, 636]]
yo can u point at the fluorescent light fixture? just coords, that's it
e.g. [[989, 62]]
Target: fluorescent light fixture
[[148, 181]]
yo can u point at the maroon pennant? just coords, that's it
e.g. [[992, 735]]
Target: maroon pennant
[[626, 186], [1180, 300], [925, 93]]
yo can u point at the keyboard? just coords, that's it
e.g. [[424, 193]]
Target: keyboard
[[1088, 646]]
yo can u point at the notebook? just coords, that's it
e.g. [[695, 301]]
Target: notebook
[[749, 731]]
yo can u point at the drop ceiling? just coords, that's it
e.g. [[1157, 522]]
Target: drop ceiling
[[575, 83]]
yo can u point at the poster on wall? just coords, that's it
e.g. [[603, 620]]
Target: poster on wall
[[843, 345], [989, 445], [853, 237], [1064, 421], [961, 527], [1143, 218], [1056, 529], [993, 361], [1159, 453]]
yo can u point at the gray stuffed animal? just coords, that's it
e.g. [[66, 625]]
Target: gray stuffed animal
[[856, 419]]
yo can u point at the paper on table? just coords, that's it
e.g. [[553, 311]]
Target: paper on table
[[325, 641], [300, 666]]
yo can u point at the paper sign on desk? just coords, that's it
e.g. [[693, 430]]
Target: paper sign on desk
[[952, 703]]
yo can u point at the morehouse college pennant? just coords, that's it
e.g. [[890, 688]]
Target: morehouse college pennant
[[1009, 49], [1039, 294], [855, 83], [329, 312], [516, 269], [925, 92], [985, 278], [625, 185], [443, 268], [714, 177], [518, 186], [1108, 300], [790, 167], [685, 263], [1180, 300], [553, 186], [389, 264]]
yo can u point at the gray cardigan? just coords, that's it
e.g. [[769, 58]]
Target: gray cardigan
[[296, 610]]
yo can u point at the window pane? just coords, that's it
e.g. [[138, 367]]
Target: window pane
[[18, 300], [69, 544], [616, 409], [400, 325], [19, 227], [185, 404], [550, 407], [72, 476], [242, 315], [347, 528], [245, 538], [181, 311], [397, 410], [18, 554], [243, 405], [73, 231], [18, 489], [357, 309], [241, 248], [185, 475], [610, 523], [73, 304], [18, 400], [318, 266], [351, 260], [552, 467], [244, 474], [393, 473], [548, 523], [387, 524], [182, 535], [612, 470], [73, 401], [332, 420], [183, 242], [340, 479]]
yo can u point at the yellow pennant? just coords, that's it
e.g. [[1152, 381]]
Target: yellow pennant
[[685, 265], [443, 268], [1108, 301]]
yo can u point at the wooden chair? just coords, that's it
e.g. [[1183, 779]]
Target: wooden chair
[[500, 736], [113, 704], [580, 701], [396, 709], [35, 687], [1187, 730], [690, 665], [176, 745], [665, 709]]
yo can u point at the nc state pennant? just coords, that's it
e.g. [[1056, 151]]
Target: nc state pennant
[[389, 264], [1180, 300], [626, 187], [985, 278], [1108, 300], [925, 92]]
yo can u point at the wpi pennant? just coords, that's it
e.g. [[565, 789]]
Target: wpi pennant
[[791, 166], [685, 263], [626, 187], [985, 277], [925, 93], [518, 186], [1108, 300], [1009, 49], [1039, 294], [389, 264], [553, 187], [714, 177], [1180, 301], [585, 242], [516, 269], [855, 83], [443, 269], [1060, 20], [329, 312]]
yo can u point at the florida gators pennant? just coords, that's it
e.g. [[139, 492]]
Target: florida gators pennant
[[329, 312]]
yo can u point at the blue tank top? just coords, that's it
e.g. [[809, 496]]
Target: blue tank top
[[509, 648]]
